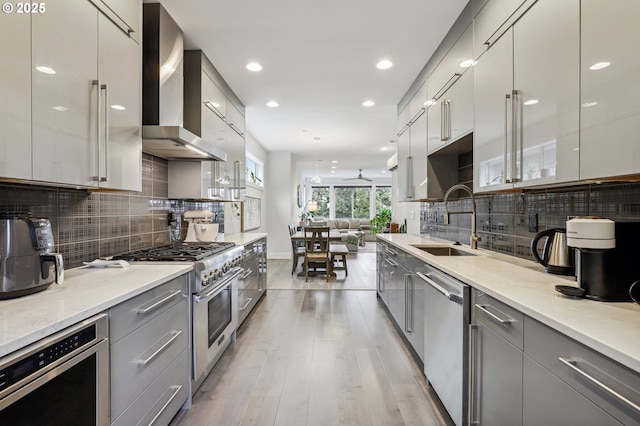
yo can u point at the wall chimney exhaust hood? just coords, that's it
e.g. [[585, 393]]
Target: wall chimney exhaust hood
[[163, 134]]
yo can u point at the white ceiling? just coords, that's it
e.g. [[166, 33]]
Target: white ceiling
[[319, 62]]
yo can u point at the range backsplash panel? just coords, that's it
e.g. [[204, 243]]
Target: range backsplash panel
[[87, 225]]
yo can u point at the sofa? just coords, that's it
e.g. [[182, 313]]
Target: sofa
[[348, 227]]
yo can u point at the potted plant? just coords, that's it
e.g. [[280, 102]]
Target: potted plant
[[380, 220]]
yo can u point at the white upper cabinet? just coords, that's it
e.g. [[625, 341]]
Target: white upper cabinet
[[65, 94], [126, 14], [610, 89], [418, 144], [85, 98], [15, 96], [405, 166], [120, 145], [526, 101], [450, 95]]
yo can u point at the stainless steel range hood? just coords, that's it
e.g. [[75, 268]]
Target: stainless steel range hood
[[163, 134]]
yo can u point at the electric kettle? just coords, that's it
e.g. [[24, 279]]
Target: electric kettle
[[557, 257]]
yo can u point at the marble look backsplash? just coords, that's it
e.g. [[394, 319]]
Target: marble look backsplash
[[503, 219], [87, 225]]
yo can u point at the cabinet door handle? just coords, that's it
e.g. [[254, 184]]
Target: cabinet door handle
[[503, 321], [169, 338], [105, 125], [506, 177], [176, 389], [236, 177], [451, 296], [475, 394], [571, 363], [409, 176], [516, 137], [155, 303], [248, 301], [95, 160], [246, 274], [408, 305]]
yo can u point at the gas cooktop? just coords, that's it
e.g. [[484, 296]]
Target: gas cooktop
[[185, 252]]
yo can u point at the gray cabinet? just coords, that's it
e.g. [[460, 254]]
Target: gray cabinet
[[149, 338], [496, 362], [252, 283], [235, 166], [85, 99], [610, 87], [547, 400], [610, 392], [15, 96], [405, 162], [526, 116]]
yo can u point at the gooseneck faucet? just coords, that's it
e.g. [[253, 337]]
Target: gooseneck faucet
[[474, 236]]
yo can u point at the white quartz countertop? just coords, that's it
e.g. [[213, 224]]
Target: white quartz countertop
[[242, 238], [85, 292], [609, 328]]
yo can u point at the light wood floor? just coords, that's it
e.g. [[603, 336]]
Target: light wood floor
[[315, 357]]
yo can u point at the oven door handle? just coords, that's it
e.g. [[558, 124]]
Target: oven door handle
[[219, 287]]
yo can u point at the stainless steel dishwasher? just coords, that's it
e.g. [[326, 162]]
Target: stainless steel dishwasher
[[446, 347]]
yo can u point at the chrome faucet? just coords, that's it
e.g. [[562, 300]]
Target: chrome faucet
[[474, 236]]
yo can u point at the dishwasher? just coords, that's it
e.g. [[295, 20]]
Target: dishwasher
[[446, 346]]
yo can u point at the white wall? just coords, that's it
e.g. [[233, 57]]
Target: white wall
[[231, 221], [281, 182], [404, 210]]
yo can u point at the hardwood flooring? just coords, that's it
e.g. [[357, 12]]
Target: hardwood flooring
[[316, 357]]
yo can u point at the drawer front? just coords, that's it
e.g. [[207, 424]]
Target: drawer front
[[500, 317], [609, 385], [162, 400], [138, 359], [129, 315]]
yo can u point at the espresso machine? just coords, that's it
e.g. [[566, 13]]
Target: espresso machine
[[26, 262], [606, 257]]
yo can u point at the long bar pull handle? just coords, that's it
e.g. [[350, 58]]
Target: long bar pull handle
[[409, 176], [446, 128], [408, 303], [571, 363], [506, 321], [246, 274], [176, 389], [169, 339], [95, 84], [153, 304], [474, 392], [105, 124], [451, 296], [236, 178], [443, 120], [516, 137], [506, 178], [248, 301]]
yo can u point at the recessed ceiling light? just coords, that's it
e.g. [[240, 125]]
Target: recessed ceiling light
[[599, 65], [46, 70], [332, 171], [118, 107], [384, 64], [334, 167], [383, 171], [368, 103], [467, 63], [254, 66], [384, 148], [589, 104], [273, 104], [334, 161], [531, 102]]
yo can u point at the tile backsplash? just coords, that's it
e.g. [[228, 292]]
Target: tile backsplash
[[503, 219], [87, 225]]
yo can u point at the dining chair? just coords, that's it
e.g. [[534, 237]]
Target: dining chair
[[316, 242], [297, 249]]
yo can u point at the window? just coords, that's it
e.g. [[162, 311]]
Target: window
[[320, 194], [255, 170], [383, 198], [353, 202]]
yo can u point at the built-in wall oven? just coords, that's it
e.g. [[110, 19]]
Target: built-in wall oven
[[62, 379]]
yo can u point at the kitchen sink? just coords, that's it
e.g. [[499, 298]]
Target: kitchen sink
[[444, 251]]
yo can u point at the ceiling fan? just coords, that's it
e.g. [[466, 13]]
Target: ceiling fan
[[360, 177]]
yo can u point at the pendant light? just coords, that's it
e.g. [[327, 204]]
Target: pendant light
[[316, 178]]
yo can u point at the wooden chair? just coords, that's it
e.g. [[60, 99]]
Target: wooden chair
[[297, 249], [316, 242]]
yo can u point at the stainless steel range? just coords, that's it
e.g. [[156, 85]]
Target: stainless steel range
[[214, 288]]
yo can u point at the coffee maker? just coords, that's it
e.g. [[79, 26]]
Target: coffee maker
[[26, 262], [606, 256]]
